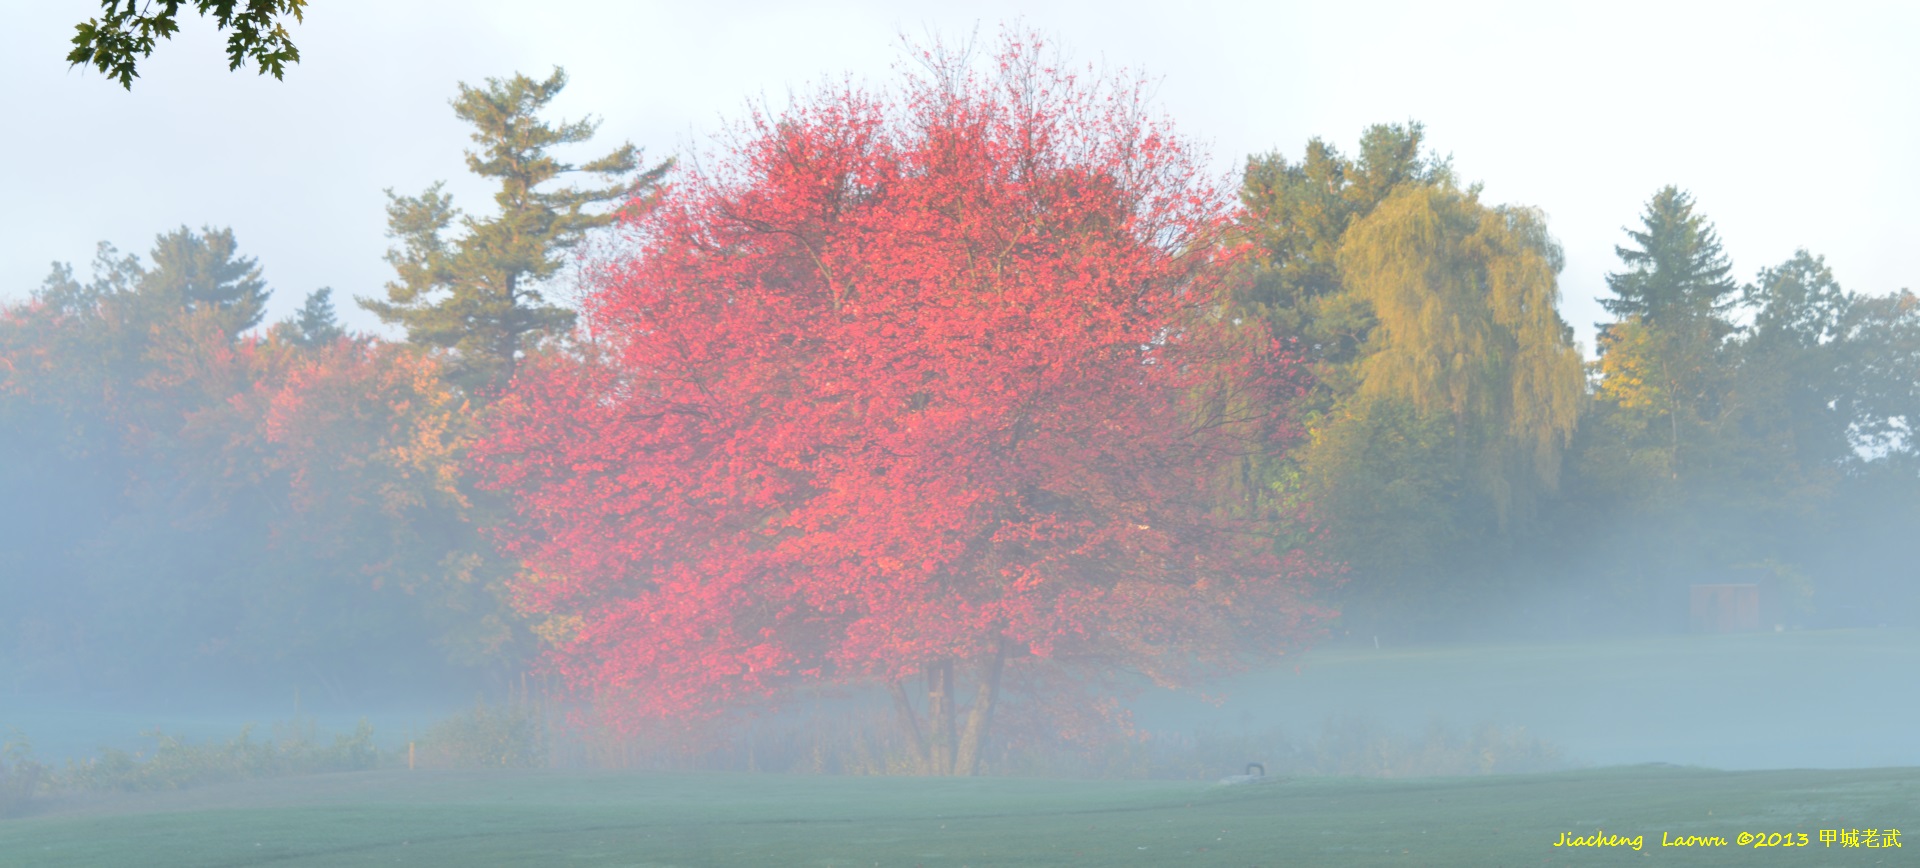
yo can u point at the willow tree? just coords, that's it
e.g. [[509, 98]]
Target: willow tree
[[1295, 215], [1447, 385], [1465, 298]]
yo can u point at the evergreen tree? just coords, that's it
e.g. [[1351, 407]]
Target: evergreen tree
[[1663, 360], [480, 293], [315, 324], [1676, 273], [201, 272], [114, 276], [195, 273]]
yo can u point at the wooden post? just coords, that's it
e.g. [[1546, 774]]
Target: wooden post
[[409, 756]]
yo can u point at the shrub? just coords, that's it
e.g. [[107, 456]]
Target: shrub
[[512, 736], [177, 764], [21, 778]]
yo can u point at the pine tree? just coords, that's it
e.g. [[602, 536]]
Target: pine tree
[[1676, 274], [1661, 362], [480, 293], [315, 324], [200, 272]]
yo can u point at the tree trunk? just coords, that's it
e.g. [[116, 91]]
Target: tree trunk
[[1673, 419], [940, 718], [509, 339], [967, 758], [903, 707]]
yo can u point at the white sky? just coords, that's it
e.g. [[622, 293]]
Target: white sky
[[1793, 125]]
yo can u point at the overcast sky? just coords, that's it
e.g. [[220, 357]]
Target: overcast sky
[[1793, 125]]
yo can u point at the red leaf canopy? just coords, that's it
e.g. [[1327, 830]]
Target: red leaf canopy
[[901, 380]]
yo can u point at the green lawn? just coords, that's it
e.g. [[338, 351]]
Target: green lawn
[[542, 818]]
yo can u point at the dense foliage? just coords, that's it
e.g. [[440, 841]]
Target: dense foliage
[[1449, 386], [183, 499], [906, 385], [1756, 433], [1474, 480]]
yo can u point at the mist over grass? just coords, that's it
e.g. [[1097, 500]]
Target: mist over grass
[[469, 818], [1794, 699]]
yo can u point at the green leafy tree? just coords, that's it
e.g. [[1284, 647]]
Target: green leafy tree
[[1751, 454], [1867, 555], [127, 31], [1791, 399], [1295, 215], [1821, 423], [1879, 356], [1796, 303], [480, 293]]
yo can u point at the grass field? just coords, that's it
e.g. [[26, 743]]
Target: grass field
[[1834, 699], [1798, 699], [553, 818]]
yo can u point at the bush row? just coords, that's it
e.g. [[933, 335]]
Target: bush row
[[852, 741], [481, 737]]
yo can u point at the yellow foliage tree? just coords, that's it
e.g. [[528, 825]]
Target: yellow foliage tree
[[1465, 298]]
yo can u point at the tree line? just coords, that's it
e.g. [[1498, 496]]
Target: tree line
[[975, 387], [1469, 464], [191, 495]]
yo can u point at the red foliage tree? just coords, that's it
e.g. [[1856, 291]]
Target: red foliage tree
[[907, 386]]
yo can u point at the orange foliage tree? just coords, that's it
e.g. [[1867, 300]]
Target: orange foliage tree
[[182, 501]]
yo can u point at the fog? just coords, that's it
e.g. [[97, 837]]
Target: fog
[[1747, 702], [1446, 433]]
